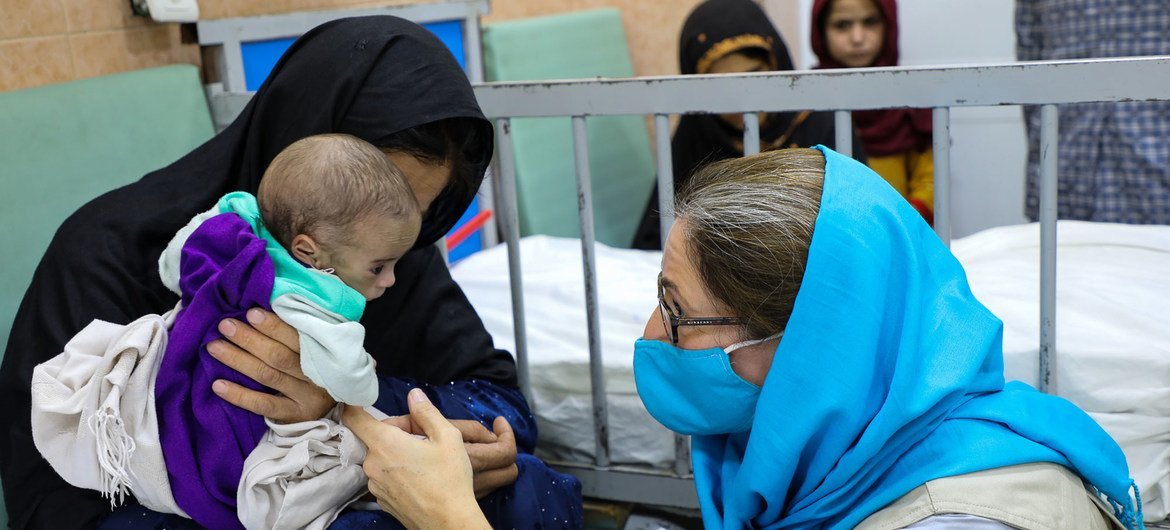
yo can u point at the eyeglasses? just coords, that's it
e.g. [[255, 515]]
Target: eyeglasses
[[671, 319]]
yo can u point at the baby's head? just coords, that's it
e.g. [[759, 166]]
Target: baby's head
[[336, 202]]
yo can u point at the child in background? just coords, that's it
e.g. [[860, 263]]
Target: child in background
[[864, 33], [730, 36]]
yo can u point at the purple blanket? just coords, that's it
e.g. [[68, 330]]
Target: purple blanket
[[224, 272]]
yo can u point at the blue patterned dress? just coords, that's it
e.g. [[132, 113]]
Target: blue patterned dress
[[1114, 162]]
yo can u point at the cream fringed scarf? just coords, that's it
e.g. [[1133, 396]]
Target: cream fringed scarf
[[97, 398]]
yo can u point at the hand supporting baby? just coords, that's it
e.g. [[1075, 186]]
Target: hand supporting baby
[[267, 350], [424, 483]]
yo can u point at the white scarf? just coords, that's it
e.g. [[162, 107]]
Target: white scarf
[[93, 414], [301, 475]]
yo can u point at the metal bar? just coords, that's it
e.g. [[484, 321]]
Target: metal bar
[[233, 67], [473, 45], [682, 455], [642, 485], [489, 232], [1133, 79], [585, 212], [665, 175], [843, 129], [682, 445], [942, 174], [226, 107], [1049, 136], [1130, 79], [473, 48], [751, 133], [267, 27], [509, 215]]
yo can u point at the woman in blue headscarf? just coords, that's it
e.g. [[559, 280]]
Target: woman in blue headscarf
[[823, 347]]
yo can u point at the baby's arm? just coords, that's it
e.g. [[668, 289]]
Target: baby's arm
[[332, 352]]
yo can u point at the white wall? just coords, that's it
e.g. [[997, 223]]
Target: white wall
[[989, 148]]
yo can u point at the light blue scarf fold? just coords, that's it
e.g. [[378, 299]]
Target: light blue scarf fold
[[890, 374]]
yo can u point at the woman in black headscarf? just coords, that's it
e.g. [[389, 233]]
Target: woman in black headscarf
[[719, 37], [382, 79]]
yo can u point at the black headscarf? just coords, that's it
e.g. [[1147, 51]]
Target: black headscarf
[[715, 29], [370, 77]]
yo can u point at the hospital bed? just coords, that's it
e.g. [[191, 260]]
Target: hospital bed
[[574, 360], [591, 301]]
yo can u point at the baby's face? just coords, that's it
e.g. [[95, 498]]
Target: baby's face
[[377, 243]]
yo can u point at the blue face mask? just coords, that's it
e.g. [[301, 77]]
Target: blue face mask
[[694, 391]]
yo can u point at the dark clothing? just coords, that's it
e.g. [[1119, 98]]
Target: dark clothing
[[369, 77], [885, 131], [715, 29]]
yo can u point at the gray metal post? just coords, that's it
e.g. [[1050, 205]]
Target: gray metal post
[[472, 44], [751, 133], [665, 174], [585, 211], [509, 216], [942, 174], [233, 66], [843, 125], [682, 446], [1049, 136], [682, 455]]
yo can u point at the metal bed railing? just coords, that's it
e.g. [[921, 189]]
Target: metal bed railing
[[841, 91]]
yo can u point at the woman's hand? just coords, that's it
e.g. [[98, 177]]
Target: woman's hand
[[268, 351], [424, 483], [492, 453]]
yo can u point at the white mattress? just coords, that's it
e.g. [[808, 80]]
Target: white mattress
[[1113, 334]]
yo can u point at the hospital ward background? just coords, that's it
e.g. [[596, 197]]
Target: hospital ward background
[[584, 97]]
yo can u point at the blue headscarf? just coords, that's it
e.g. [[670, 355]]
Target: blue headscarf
[[889, 375]]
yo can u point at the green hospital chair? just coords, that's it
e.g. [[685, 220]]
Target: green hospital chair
[[575, 45], [62, 145]]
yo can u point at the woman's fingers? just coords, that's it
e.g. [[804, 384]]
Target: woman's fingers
[[503, 431], [494, 463], [274, 343], [361, 423], [243, 361], [299, 400], [474, 432], [277, 408], [497, 454], [424, 414], [268, 323], [419, 482], [402, 422], [486, 482]]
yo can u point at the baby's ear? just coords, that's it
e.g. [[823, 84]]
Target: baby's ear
[[305, 250]]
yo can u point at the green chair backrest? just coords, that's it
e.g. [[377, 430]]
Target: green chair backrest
[[62, 145], [574, 45]]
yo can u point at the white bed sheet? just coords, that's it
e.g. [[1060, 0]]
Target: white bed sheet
[[1113, 334]]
